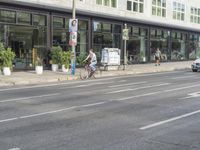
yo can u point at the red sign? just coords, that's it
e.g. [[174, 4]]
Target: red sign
[[73, 39]]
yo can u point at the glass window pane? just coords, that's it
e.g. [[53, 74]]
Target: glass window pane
[[58, 22], [99, 2], [158, 2], [113, 3], [24, 18], [117, 28], [106, 27], [39, 20], [158, 11], [106, 3], [154, 2], [174, 15], [163, 12], [83, 25], [129, 5], [97, 26], [154, 11], [135, 6], [141, 8], [7, 16]]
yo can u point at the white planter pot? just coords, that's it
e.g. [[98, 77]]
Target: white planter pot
[[64, 69], [6, 71], [54, 67], [144, 59], [39, 69]]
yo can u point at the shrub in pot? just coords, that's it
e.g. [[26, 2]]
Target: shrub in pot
[[80, 58], [39, 66], [65, 60], [56, 54], [6, 59]]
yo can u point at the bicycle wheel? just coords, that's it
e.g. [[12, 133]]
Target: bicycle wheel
[[84, 74]]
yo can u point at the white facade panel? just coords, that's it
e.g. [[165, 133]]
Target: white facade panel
[[121, 10]]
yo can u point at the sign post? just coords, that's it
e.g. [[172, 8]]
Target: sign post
[[73, 28], [125, 37]]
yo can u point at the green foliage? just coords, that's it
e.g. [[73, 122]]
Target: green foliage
[[38, 62], [80, 58], [56, 54], [6, 56], [66, 58]]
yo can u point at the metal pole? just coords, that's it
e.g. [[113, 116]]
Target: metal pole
[[73, 60], [125, 62]]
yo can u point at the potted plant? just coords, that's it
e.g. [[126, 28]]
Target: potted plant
[[39, 66], [65, 60], [6, 59], [142, 56], [80, 58], [56, 57]]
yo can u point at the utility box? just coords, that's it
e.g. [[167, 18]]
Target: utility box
[[110, 58]]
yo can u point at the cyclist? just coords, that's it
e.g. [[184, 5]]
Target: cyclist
[[92, 61]]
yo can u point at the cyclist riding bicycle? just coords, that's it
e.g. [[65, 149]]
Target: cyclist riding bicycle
[[92, 61]]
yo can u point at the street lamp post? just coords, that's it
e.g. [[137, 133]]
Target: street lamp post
[[125, 38], [73, 59]]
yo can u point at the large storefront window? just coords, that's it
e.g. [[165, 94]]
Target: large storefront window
[[194, 46], [106, 35], [61, 34], [27, 37], [7, 16], [27, 42], [137, 44], [178, 46], [159, 39]]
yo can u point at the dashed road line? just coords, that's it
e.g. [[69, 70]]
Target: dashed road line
[[169, 120], [31, 97]]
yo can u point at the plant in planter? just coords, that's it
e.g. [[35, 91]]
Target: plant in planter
[[65, 60], [56, 54], [80, 58], [6, 59], [142, 56], [39, 66]]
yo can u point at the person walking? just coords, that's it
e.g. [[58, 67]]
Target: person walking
[[157, 57]]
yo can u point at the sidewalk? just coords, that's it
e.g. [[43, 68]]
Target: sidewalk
[[29, 77]]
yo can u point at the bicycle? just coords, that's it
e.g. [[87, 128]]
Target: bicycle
[[87, 73]]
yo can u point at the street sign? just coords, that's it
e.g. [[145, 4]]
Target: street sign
[[125, 34], [73, 39]]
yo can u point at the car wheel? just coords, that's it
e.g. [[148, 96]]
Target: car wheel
[[194, 70]]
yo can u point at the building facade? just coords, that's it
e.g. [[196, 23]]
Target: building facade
[[32, 27]]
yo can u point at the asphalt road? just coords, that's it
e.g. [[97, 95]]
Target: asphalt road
[[158, 111]]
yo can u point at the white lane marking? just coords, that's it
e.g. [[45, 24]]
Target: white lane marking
[[98, 83], [159, 92], [31, 97], [169, 120], [86, 81], [192, 95], [139, 88], [119, 85], [122, 81], [53, 112], [136, 96], [183, 77], [15, 148], [8, 120]]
